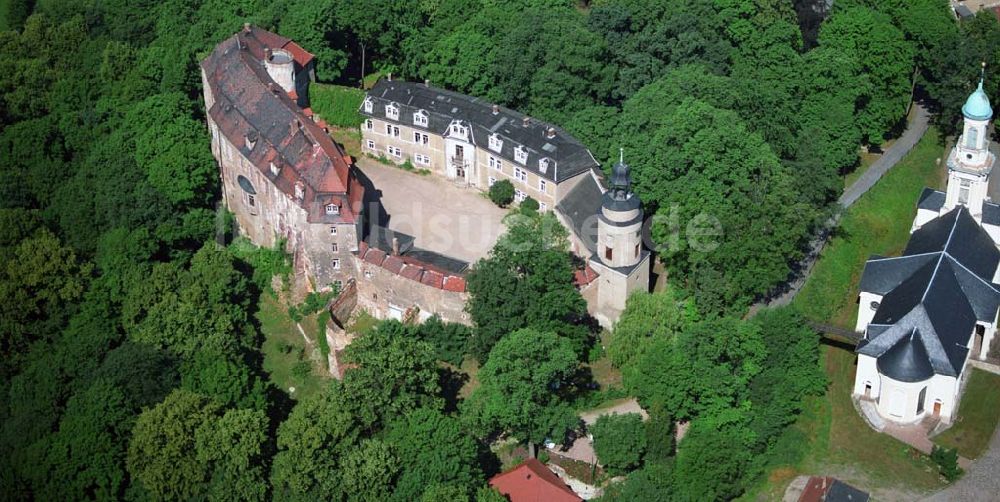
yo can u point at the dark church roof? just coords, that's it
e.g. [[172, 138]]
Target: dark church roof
[[442, 107], [933, 296], [931, 199]]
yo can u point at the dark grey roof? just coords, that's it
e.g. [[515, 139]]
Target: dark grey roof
[[933, 294], [963, 11], [570, 156], [931, 199], [582, 206], [991, 214], [380, 237], [843, 492]]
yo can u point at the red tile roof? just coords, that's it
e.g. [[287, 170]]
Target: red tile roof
[[432, 278], [454, 283], [533, 482], [412, 272], [584, 276], [393, 264], [247, 102], [375, 256]]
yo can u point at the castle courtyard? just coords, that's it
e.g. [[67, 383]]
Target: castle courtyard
[[454, 221]]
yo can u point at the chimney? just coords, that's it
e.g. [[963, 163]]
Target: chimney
[[389, 77], [427, 82], [267, 53], [526, 121], [395, 246], [496, 109], [550, 132]]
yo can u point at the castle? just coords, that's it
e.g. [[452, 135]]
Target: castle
[[927, 314], [285, 180]]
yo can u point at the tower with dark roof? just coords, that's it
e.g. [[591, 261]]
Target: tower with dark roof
[[620, 260]]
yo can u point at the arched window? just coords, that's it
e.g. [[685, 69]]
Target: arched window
[[972, 138]]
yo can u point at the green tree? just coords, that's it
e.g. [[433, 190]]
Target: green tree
[[502, 193], [619, 441], [394, 374], [434, 450], [186, 447], [524, 388], [312, 443], [527, 281], [711, 463], [369, 471], [648, 316]]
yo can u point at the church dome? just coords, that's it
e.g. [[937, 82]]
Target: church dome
[[977, 107]]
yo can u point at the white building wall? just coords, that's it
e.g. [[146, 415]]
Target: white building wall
[[924, 216], [865, 310]]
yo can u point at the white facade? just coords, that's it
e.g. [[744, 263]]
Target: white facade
[[867, 305], [906, 402]]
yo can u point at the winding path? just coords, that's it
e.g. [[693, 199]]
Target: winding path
[[915, 130]]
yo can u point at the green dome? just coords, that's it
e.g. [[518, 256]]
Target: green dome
[[977, 107]]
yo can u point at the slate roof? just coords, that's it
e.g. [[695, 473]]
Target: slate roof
[[581, 207], [843, 492], [933, 296], [991, 214], [931, 199], [250, 105], [442, 106]]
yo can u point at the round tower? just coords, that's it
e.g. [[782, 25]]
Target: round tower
[[619, 227], [970, 161], [281, 67], [973, 146]]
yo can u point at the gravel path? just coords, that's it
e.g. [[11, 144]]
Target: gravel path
[[981, 480]]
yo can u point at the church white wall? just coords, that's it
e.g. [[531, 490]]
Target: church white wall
[[923, 217], [977, 186], [898, 401], [994, 233], [865, 310], [867, 374]]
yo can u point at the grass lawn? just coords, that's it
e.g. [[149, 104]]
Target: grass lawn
[[978, 415], [879, 223], [286, 357], [336, 104]]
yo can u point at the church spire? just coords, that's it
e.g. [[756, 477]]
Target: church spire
[[621, 179]]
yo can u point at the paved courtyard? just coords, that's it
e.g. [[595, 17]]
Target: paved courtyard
[[444, 218]]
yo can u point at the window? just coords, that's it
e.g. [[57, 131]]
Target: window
[[338, 285], [333, 230], [636, 250], [496, 163], [299, 191], [422, 159], [608, 253], [496, 144], [521, 154], [458, 129], [336, 263], [963, 191], [420, 118], [274, 169], [543, 206], [391, 130], [392, 111], [368, 274], [541, 185], [421, 138], [251, 200], [334, 247], [972, 138], [369, 124], [543, 165], [371, 145], [520, 174], [368, 105], [520, 196], [395, 152], [332, 209], [490, 181]]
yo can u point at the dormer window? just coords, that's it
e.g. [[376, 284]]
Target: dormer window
[[300, 191], [496, 144], [392, 111], [251, 140], [275, 169], [521, 154], [458, 129], [369, 106], [544, 164], [332, 209], [420, 118]]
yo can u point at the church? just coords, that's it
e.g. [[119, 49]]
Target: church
[[924, 315]]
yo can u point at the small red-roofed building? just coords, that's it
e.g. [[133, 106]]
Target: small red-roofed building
[[533, 482]]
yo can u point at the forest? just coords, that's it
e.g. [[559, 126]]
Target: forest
[[131, 359]]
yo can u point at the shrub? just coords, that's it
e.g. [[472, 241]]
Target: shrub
[[337, 105], [502, 193], [302, 369], [619, 441], [947, 462], [529, 205]]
